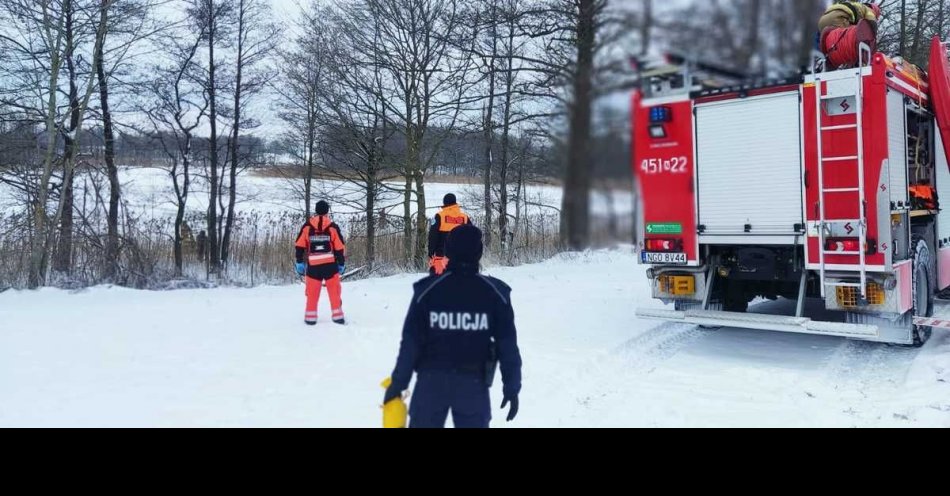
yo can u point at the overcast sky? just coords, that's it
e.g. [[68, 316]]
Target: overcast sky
[[286, 6]]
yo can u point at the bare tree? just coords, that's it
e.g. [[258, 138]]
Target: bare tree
[[257, 37], [178, 106], [108, 129], [919, 32], [356, 123], [903, 38], [70, 133], [300, 89], [646, 27], [212, 18], [489, 62], [130, 23], [39, 38], [426, 80], [514, 85], [575, 209]]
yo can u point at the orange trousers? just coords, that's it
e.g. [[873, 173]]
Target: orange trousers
[[335, 290]]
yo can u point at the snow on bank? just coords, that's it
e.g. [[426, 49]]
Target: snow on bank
[[242, 357]]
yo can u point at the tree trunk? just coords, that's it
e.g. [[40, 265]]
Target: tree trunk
[[371, 184], [751, 42], [487, 172], [422, 222], [506, 140], [646, 27], [520, 212], [235, 138], [941, 19], [181, 194], [308, 181], [115, 194], [575, 211], [918, 34], [40, 242], [407, 222], [903, 28], [808, 29], [214, 249], [62, 261], [489, 126]]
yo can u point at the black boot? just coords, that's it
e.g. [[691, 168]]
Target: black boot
[[339, 321], [310, 323]]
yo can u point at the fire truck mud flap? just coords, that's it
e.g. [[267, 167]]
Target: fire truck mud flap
[[801, 325]]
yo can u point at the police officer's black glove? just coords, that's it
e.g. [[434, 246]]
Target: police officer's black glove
[[391, 394], [513, 412]]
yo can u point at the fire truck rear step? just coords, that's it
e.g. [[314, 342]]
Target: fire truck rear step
[[779, 323]]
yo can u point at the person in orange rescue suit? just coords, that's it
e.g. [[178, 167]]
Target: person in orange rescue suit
[[321, 259], [450, 217]]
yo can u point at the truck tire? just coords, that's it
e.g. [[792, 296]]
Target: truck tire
[[923, 290]]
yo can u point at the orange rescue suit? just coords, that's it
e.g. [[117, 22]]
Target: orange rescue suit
[[923, 197], [445, 222], [320, 245]]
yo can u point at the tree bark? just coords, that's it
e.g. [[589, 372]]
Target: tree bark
[[115, 193], [62, 261], [505, 165], [646, 27], [40, 242], [916, 56], [807, 32], [214, 248], [235, 137], [575, 211], [903, 28], [489, 128]]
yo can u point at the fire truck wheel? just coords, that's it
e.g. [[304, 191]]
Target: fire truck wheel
[[923, 295]]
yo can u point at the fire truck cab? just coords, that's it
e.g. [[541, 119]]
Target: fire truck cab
[[823, 187]]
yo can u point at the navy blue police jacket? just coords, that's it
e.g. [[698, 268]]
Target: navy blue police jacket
[[454, 323]]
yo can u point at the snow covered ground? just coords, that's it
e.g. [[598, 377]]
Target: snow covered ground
[[242, 357]]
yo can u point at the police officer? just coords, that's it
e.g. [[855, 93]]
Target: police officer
[[449, 218], [459, 325]]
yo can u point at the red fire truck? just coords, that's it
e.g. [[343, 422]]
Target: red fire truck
[[822, 189]]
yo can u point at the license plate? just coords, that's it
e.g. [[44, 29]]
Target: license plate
[[663, 258]]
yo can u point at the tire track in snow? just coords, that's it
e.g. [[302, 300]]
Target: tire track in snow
[[651, 348], [864, 375], [864, 366], [612, 375]]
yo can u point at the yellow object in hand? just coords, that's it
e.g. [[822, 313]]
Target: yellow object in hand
[[395, 413]]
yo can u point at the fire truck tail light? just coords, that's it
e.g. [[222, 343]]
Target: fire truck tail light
[[664, 245]]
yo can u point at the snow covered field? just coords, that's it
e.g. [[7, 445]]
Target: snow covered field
[[242, 357], [148, 191]]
